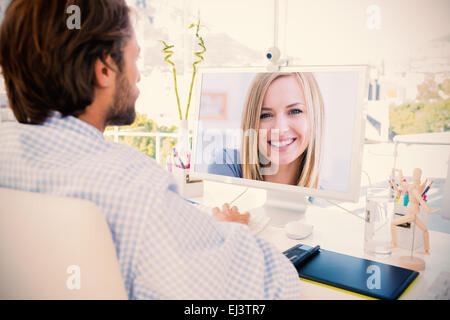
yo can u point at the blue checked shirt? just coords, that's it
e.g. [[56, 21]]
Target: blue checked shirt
[[167, 248]]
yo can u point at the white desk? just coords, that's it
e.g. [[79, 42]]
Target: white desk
[[334, 230]]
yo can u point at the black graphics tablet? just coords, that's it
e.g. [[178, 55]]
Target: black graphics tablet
[[360, 276]]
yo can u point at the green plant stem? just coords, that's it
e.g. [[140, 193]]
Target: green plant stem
[[194, 65], [190, 92], [166, 58], [176, 93]]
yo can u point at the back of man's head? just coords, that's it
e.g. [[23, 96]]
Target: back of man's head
[[48, 64]]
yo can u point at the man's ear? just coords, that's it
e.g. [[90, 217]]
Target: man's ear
[[104, 74]]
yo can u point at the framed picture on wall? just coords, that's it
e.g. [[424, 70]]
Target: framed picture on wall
[[213, 106]]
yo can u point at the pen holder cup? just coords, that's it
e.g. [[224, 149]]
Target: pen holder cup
[[408, 231], [187, 187]]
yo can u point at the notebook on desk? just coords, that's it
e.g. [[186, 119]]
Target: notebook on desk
[[361, 276]]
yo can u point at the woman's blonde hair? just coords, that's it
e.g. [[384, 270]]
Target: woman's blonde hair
[[250, 156]]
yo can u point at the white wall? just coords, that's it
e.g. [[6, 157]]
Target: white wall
[[235, 87], [339, 92]]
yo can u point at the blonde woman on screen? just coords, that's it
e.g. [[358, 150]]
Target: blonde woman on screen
[[282, 124]]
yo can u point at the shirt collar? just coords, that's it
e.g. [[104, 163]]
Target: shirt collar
[[74, 124]]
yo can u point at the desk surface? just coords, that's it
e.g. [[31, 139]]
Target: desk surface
[[334, 230]]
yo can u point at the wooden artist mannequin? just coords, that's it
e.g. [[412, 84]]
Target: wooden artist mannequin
[[414, 190]]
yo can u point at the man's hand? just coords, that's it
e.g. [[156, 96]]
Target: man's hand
[[230, 215]]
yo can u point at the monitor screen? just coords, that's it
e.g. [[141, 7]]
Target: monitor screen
[[299, 129]]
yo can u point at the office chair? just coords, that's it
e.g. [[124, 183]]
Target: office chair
[[55, 248]]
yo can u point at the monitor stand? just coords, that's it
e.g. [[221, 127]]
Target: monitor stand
[[283, 207]]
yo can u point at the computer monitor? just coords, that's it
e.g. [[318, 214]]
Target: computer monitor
[[298, 132]]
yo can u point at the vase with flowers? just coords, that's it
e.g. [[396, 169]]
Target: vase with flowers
[[183, 150], [181, 154]]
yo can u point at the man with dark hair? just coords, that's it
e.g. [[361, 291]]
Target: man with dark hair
[[65, 86]]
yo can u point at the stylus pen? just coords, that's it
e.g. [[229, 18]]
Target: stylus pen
[[304, 257], [314, 250]]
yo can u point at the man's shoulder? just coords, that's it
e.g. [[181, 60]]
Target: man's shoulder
[[130, 163], [89, 157]]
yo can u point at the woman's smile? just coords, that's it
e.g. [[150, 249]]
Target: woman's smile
[[282, 145]]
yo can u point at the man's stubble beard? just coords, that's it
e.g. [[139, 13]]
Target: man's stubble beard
[[122, 111]]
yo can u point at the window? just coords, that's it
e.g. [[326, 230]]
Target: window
[[406, 43], [234, 36]]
